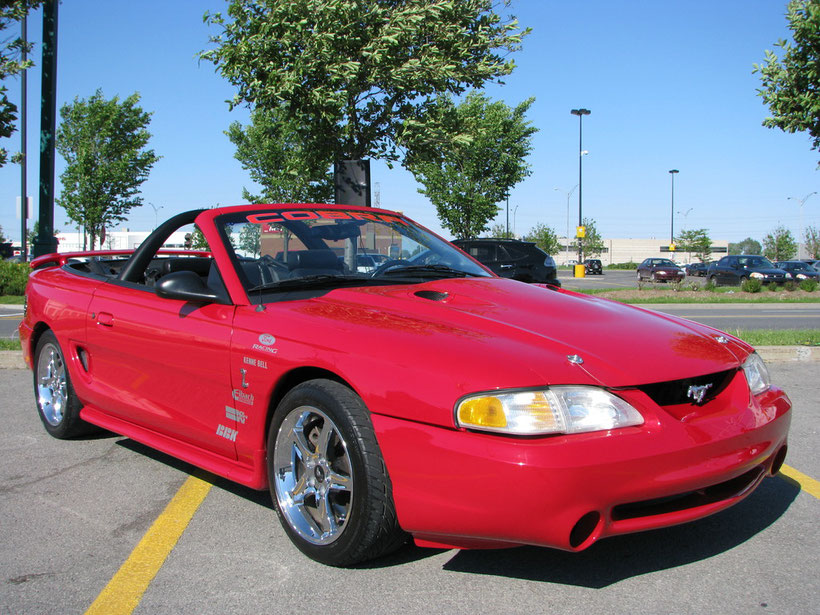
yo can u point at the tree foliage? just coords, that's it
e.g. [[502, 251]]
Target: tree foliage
[[791, 86], [104, 145], [592, 244], [696, 241], [271, 149], [499, 231], [747, 246], [11, 48], [480, 155], [351, 75], [544, 237], [811, 240], [779, 245]]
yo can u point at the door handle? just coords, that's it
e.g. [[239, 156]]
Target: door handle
[[105, 319]]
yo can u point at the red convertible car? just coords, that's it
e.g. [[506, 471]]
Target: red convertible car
[[425, 397]]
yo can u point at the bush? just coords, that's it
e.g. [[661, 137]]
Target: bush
[[809, 285], [694, 286], [772, 286], [752, 285], [629, 265], [710, 286], [13, 278], [789, 286]]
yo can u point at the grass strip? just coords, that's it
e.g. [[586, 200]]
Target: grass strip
[[780, 337]]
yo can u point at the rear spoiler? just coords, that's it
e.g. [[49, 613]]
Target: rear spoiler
[[59, 259]]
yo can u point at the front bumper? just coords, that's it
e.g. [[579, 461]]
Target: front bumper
[[462, 489]]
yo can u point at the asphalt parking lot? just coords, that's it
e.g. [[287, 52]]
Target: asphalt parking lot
[[74, 511]]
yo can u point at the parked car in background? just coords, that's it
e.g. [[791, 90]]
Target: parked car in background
[[734, 269], [814, 262], [511, 258], [660, 270], [697, 269], [800, 270], [428, 398], [592, 266]]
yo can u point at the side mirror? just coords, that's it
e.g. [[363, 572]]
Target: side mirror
[[185, 286]]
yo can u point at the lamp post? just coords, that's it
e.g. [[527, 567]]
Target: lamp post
[[580, 113], [569, 195], [156, 209], [672, 172], [800, 239]]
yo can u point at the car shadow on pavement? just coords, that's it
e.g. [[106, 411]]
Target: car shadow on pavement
[[614, 559]]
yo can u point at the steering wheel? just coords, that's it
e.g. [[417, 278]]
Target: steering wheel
[[389, 264]]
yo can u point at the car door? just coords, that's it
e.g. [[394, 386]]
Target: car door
[[162, 364]]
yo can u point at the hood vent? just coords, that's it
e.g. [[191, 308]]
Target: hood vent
[[432, 295]]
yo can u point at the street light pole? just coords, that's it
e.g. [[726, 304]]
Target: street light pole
[[580, 113], [672, 172], [566, 237], [800, 239]]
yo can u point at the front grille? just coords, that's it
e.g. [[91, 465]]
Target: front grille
[[675, 392], [691, 499]]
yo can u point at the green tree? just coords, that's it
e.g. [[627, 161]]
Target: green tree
[[499, 231], [479, 156], [250, 239], [696, 241], [811, 239], [350, 75], [271, 149], [544, 237], [104, 145], [779, 245], [747, 246], [791, 86], [11, 48], [592, 244]]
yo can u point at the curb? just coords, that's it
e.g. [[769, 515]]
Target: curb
[[789, 354], [13, 359]]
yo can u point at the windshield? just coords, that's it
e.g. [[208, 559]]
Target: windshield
[[281, 249], [758, 262]]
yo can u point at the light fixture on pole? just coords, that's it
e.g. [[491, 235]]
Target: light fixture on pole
[[801, 238], [580, 113], [672, 172]]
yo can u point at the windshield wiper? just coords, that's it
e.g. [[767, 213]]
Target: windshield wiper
[[313, 282], [426, 271]]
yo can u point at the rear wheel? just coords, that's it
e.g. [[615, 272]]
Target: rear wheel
[[327, 476], [57, 404]]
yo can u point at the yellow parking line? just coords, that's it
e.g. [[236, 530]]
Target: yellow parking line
[[807, 483], [124, 591]]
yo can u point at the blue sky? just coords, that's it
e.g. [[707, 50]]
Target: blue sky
[[670, 85]]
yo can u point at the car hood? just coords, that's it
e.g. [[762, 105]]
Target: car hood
[[523, 334]]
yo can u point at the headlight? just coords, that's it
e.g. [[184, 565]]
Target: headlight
[[756, 374], [756, 274], [801, 276], [560, 409], [788, 276]]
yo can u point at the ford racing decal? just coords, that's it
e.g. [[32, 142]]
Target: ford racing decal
[[307, 214]]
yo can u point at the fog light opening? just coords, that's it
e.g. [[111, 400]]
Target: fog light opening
[[583, 530], [778, 460]]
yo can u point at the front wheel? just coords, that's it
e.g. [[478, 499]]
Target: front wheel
[[327, 476], [57, 404]]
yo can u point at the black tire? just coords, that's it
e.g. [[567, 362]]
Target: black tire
[[57, 403], [321, 444], [713, 280]]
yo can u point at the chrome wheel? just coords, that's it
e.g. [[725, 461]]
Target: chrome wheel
[[313, 475], [52, 384]]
